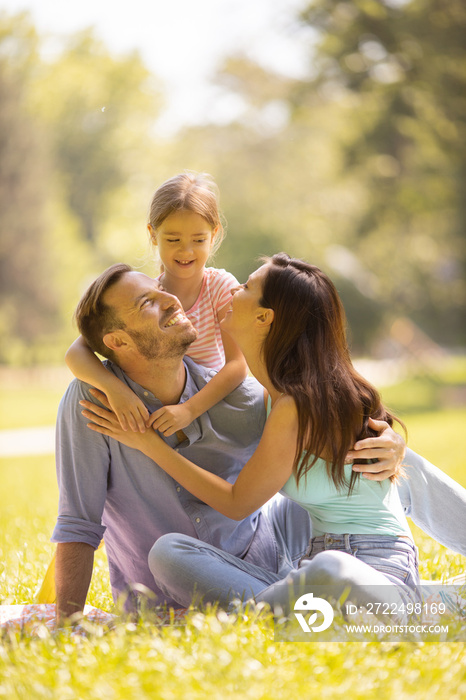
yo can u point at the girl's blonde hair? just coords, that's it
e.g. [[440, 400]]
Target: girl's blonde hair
[[188, 191]]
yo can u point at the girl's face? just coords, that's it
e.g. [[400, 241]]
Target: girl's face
[[245, 306], [184, 240]]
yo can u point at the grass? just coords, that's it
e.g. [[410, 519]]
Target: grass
[[24, 407], [212, 655]]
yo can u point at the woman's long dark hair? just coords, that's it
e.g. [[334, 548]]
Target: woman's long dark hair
[[307, 357]]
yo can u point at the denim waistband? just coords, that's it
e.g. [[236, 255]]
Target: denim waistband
[[332, 540], [395, 557]]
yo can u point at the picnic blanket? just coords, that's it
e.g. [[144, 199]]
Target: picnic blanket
[[35, 619], [38, 620]]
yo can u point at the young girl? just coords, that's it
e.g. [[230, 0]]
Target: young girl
[[289, 322], [185, 226]]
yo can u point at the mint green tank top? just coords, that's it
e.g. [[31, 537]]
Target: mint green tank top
[[373, 507]]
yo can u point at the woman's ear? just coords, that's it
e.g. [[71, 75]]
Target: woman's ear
[[265, 316]]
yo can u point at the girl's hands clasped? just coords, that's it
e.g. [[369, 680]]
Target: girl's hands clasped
[[169, 419]]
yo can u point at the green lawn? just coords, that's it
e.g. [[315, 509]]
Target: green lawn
[[28, 407], [212, 655]]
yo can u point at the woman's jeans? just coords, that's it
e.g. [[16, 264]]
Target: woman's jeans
[[192, 570], [366, 568], [358, 568]]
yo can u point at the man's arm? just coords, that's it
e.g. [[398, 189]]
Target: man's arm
[[82, 472], [73, 572], [434, 501]]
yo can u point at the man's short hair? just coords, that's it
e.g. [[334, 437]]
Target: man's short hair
[[93, 317]]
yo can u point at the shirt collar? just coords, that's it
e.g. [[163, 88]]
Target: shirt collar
[[193, 431]]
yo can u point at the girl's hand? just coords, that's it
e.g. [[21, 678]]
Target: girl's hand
[[169, 419], [105, 422], [128, 408], [388, 448]]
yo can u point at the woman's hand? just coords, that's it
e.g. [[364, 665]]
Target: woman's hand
[[105, 422], [388, 448]]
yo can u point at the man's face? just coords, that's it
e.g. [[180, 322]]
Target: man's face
[[154, 319]]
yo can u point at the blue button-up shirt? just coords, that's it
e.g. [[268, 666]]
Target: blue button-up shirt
[[116, 492]]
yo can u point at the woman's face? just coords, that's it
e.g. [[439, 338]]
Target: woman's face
[[245, 304]]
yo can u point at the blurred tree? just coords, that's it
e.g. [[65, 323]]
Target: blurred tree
[[78, 162], [28, 308], [101, 112], [279, 169], [399, 69]]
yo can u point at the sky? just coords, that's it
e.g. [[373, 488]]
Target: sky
[[182, 41]]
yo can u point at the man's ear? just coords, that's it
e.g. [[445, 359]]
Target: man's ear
[[265, 316], [116, 340]]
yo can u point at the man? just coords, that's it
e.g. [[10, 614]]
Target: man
[[106, 487]]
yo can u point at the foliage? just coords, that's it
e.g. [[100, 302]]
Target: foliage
[[429, 390], [358, 166], [76, 170], [24, 167], [399, 72], [99, 109]]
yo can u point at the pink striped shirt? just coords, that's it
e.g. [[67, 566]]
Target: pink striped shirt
[[215, 293]]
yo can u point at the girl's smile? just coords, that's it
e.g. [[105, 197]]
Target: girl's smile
[[184, 240]]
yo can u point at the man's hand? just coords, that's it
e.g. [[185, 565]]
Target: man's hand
[[388, 448]]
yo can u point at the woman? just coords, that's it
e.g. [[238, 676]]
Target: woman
[[289, 323]]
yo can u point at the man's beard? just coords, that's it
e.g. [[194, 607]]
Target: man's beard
[[151, 348]]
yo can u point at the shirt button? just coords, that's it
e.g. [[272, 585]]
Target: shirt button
[[198, 520], [178, 488], [146, 393]]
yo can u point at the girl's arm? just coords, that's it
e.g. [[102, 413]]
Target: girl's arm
[[169, 419], [263, 475], [86, 366]]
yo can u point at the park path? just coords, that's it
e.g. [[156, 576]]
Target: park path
[[27, 441]]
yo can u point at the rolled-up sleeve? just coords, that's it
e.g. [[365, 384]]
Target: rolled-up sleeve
[[83, 472]]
